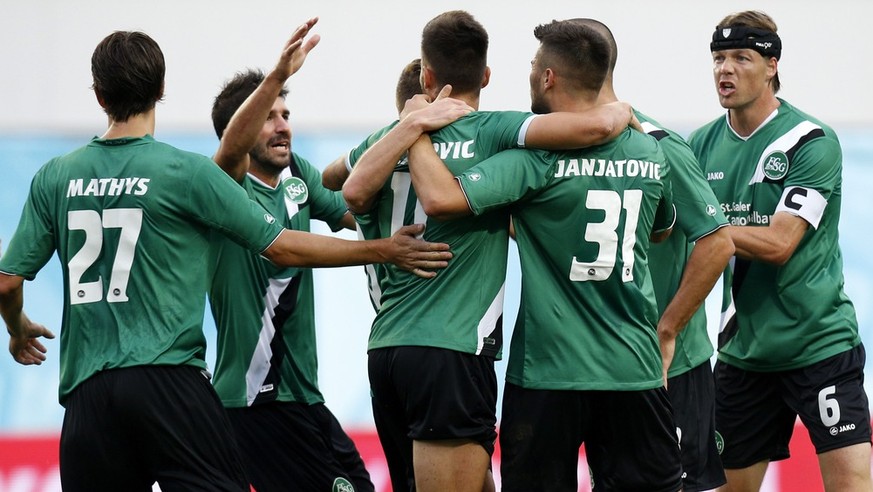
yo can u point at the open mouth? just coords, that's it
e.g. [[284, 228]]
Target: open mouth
[[726, 88], [282, 145]]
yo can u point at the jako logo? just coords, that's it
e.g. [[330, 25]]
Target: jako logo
[[843, 428]]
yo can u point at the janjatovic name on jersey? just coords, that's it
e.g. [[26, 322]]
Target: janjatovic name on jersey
[[108, 187], [608, 168]]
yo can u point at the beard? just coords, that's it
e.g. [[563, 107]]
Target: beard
[[538, 105], [263, 155]]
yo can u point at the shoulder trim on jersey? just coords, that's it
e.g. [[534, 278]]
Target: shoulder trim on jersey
[[654, 131], [707, 233], [788, 144], [522, 132], [812, 135]]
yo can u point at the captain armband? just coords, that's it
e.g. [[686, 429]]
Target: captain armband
[[806, 203]]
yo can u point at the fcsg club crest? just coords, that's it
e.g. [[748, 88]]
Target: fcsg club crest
[[775, 166], [295, 190]]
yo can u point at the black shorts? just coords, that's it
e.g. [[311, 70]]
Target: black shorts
[[125, 429], [286, 443], [629, 436], [692, 395], [755, 411], [430, 394]]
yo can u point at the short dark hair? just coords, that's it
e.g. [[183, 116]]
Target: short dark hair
[[409, 83], [128, 70], [455, 46], [233, 93], [758, 20], [576, 51], [604, 31]]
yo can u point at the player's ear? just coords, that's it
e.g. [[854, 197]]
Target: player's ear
[[486, 77], [548, 78], [100, 100], [428, 79], [772, 67]]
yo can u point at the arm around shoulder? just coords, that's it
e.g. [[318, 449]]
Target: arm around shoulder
[[437, 189], [566, 130]]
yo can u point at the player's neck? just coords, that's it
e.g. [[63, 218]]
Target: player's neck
[[575, 102], [746, 119], [471, 98], [607, 95], [138, 125], [268, 175]]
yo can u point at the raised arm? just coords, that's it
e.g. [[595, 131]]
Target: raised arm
[[377, 163], [242, 131], [335, 174]]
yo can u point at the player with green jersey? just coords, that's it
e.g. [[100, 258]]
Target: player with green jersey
[[697, 216], [432, 346], [266, 360], [335, 174], [691, 258], [407, 316], [684, 268], [584, 362], [276, 298], [266, 366], [111, 215], [605, 200], [789, 343], [131, 218], [785, 174]]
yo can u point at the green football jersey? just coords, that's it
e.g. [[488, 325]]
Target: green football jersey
[[130, 219], [697, 214], [366, 228], [462, 307], [264, 314], [778, 318], [583, 220]]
